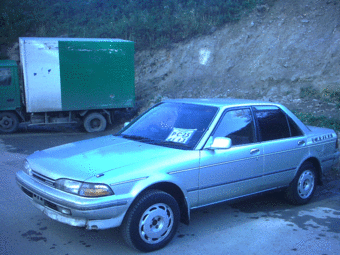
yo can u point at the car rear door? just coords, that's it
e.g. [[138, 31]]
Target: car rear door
[[284, 145]]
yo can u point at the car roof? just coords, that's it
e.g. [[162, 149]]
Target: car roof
[[220, 102]]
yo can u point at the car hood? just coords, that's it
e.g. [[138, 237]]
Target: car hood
[[85, 159]]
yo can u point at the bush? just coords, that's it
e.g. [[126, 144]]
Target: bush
[[150, 23], [318, 121], [14, 21]]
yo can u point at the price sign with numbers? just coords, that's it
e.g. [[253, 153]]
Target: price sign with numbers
[[180, 135]]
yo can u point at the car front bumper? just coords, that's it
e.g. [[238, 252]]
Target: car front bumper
[[92, 213]]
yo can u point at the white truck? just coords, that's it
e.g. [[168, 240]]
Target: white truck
[[67, 80]]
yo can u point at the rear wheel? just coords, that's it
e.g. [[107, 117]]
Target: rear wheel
[[9, 122], [152, 221], [94, 122], [302, 188]]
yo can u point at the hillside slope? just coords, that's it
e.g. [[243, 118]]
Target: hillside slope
[[278, 53]]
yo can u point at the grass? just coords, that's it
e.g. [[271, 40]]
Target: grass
[[310, 92], [328, 96]]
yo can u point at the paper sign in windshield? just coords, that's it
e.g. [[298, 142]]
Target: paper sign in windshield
[[180, 135]]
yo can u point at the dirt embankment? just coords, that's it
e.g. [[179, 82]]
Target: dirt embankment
[[287, 52]]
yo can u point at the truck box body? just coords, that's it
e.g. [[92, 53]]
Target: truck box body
[[67, 74]]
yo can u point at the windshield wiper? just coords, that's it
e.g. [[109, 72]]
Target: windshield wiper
[[136, 137]]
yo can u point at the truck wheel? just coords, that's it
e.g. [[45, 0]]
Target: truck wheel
[[152, 221], [301, 189], [94, 122], [9, 122]]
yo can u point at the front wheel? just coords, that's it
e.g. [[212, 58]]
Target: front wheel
[[302, 188], [152, 221], [9, 122]]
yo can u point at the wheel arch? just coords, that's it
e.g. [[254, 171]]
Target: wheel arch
[[176, 193], [317, 165], [14, 112], [106, 114]]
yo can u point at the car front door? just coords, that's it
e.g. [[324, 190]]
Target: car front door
[[236, 171]]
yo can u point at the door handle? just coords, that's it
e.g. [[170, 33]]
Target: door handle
[[253, 151], [302, 142]]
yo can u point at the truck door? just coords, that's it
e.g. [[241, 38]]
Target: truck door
[[9, 86]]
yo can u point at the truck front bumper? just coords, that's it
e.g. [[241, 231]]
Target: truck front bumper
[[336, 159]]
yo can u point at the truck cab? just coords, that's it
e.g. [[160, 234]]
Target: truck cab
[[9, 96]]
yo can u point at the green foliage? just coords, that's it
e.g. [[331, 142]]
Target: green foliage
[[326, 95], [13, 20], [331, 94], [306, 92], [321, 121], [150, 23]]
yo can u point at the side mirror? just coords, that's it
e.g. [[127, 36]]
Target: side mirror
[[221, 143]]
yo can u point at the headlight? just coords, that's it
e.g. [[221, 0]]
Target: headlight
[[68, 186], [27, 168], [82, 188]]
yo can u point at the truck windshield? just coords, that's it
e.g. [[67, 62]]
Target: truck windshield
[[177, 125], [5, 77]]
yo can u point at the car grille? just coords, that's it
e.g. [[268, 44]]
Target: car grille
[[43, 178]]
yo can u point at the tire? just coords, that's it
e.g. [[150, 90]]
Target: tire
[[302, 188], [9, 122], [94, 122], [151, 221]]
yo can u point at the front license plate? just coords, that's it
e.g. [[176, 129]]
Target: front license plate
[[38, 199]]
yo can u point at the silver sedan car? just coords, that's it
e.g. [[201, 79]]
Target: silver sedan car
[[179, 155]]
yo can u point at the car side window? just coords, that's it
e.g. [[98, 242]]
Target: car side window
[[238, 126], [272, 122]]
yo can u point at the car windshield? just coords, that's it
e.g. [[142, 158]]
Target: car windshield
[[176, 125]]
